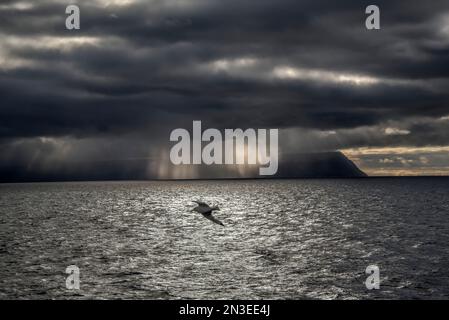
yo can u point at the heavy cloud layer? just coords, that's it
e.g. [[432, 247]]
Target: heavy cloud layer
[[138, 69]]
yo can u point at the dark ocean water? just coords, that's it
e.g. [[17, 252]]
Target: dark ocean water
[[295, 239]]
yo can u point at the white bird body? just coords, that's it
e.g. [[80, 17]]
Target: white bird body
[[206, 211]]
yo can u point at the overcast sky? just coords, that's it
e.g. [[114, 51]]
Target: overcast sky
[[137, 69]]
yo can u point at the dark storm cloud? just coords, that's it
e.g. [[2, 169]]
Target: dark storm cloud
[[142, 68]]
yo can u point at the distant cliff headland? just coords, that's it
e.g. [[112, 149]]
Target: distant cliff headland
[[305, 165], [320, 165]]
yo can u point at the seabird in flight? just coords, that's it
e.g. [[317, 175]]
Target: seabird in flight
[[206, 211]]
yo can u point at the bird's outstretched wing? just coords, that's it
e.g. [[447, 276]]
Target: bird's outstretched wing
[[201, 204], [212, 218]]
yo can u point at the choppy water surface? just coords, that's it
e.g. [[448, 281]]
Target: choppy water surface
[[283, 239]]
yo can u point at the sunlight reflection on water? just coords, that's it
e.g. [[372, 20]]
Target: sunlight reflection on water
[[282, 239]]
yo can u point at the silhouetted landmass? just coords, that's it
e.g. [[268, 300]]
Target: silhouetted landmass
[[311, 165], [320, 165]]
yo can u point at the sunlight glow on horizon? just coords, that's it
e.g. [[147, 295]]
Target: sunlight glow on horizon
[[402, 161]]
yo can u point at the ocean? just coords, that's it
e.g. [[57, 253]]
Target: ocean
[[283, 239]]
